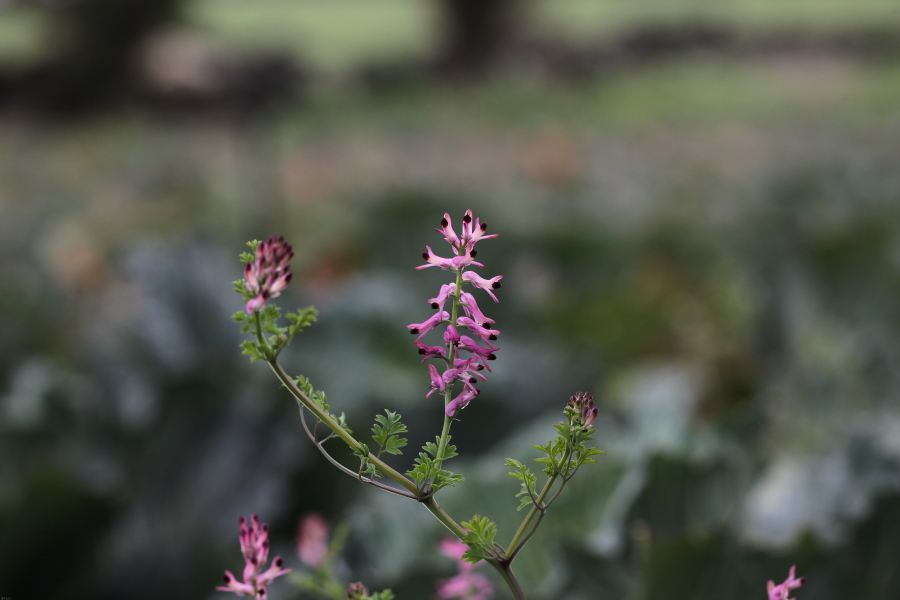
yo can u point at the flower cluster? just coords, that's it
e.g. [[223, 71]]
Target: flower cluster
[[783, 590], [479, 327], [467, 584], [267, 275], [583, 410], [255, 548]]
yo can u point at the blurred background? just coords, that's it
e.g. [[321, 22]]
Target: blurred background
[[699, 210]]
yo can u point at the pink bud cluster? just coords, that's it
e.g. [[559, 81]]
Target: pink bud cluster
[[586, 412], [458, 367], [255, 548], [783, 590], [267, 275], [467, 584]]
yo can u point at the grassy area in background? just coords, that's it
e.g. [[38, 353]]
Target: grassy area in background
[[337, 35]]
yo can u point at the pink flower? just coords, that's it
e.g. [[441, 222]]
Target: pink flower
[[486, 284], [312, 540], [467, 301], [455, 263], [783, 590], [267, 275], [255, 548], [484, 333], [438, 301], [473, 231], [467, 584], [437, 382], [429, 324], [430, 351], [460, 402]]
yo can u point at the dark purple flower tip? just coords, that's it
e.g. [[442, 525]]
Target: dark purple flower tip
[[492, 337], [496, 285], [278, 562], [492, 357], [425, 255], [473, 253], [227, 578], [467, 218], [484, 226], [435, 305], [444, 222], [414, 331]]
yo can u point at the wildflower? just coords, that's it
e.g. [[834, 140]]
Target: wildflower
[[437, 382], [484, 333], [312, 540], [459, 366], [585, 411], [438, 301], [783, 590], [428, 324], [430, 351], [467, 584], [467, 301], [455, 263], [357, 591], [460, 402], [486, 284], [255, 548], [267, 275]]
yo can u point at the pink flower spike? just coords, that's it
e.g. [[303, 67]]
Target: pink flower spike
[[267, 275], [447, 230], [438, 301], [484, 333], [486, 284], [471, 307], [254, 542], [460, 402], [312, 540], [783, 590], [429, 324], [437, 382]]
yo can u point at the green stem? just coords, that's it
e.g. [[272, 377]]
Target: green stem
[[509, 577], [451, 358], [259, 334], [535, 508], [337, 429]]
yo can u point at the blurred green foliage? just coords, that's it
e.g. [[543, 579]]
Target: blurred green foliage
[[710, 245]]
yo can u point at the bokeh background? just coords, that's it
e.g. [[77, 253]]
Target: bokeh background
[[699, 210]]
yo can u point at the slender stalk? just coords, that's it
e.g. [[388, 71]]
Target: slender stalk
[[535, 508], [348, 439], [509, 577], [451, 358]]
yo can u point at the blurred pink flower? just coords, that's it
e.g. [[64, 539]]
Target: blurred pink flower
[[312, 540], [783, 590], [255, 548], [467, 584]]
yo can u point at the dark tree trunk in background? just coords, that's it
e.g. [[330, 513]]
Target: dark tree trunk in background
[[475, 31], [95, 60]]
